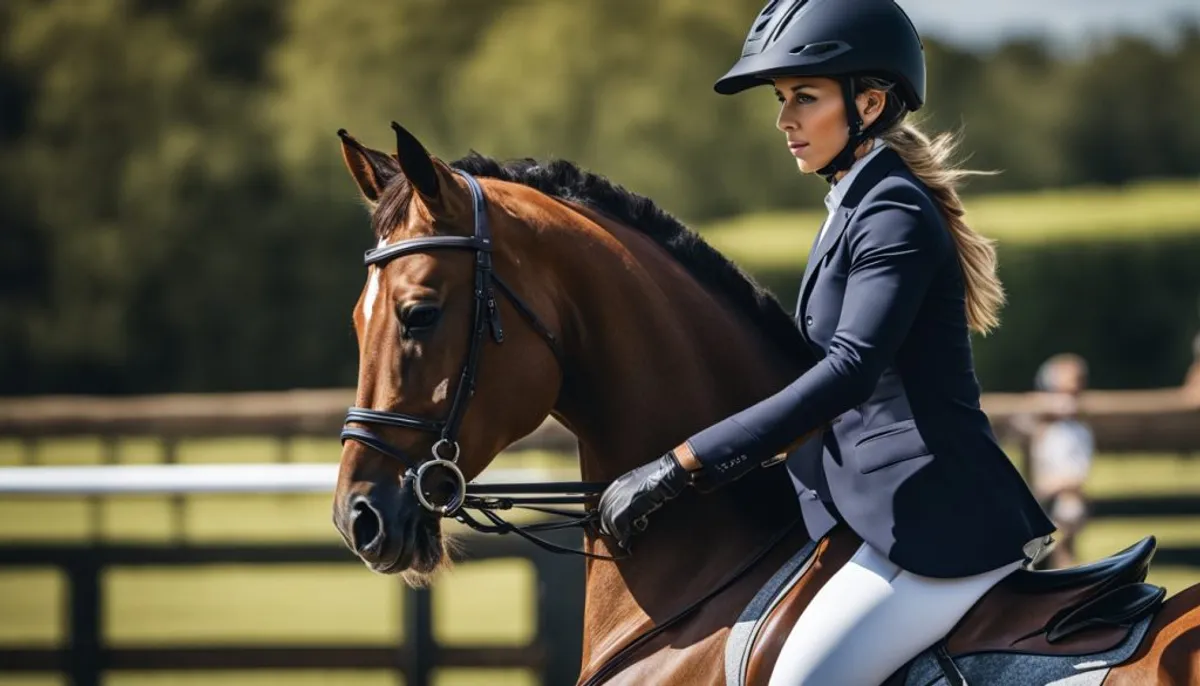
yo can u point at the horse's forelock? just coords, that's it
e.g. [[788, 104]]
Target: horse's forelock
[[392, 207]]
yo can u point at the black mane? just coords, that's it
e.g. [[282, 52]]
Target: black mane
[[565, 180]]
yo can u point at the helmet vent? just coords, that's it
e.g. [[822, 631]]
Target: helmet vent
[[817, 49], [765, 16], [787, 19]]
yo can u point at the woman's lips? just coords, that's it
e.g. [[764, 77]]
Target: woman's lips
[[796, 148]]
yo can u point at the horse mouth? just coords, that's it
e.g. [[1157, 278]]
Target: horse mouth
[[420, 555]]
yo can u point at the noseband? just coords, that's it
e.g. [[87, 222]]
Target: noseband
[[485, 315]]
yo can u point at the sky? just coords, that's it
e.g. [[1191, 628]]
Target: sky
[[975, 22]]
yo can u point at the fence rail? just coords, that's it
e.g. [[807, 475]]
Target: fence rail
[[176, 479], [1161, 420]]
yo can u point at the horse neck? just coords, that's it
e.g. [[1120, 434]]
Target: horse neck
[[654, 358], [654, 355]]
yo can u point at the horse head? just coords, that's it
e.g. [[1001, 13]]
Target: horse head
[[430, 303]]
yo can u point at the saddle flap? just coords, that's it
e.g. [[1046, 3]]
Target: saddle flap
[[1120, 607], [1046, 600], [755, 641]]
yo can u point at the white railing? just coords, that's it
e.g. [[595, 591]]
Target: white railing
[[205, 478]]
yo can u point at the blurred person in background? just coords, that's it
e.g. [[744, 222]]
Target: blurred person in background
[[1061, 447], [896, 280]]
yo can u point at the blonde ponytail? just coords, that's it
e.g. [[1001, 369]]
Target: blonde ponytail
[[930, 161]]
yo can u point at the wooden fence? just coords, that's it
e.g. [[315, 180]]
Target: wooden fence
[[1142, 421], [554, 653], [1123, 422]]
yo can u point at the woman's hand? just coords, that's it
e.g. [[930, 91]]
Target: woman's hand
[[637, 493]]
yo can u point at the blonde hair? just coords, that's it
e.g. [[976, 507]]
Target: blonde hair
[[930, 161]]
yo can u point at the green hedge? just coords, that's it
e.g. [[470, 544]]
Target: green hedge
[[1129, 308], [1111, 275]]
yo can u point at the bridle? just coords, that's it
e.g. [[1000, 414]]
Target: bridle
[[484, 498]]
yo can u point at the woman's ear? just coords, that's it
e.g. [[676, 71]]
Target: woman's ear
[[372, 170], [871, 103]]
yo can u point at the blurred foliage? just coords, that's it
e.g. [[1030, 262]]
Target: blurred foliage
[[1138, 211], [1128, 307], [174, 216]]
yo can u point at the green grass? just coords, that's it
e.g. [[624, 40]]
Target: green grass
[[1150, 474], [477, 602], [781, 240], [245, 604]]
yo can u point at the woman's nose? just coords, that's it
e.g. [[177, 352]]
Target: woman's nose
[[783, 122]]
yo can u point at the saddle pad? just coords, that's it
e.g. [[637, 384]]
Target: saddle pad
[[745, 631], [1022, 669]]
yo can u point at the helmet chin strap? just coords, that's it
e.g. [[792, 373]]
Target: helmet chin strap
[[845, 159]]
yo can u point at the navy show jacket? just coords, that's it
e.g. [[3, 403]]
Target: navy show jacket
[[910, 463]]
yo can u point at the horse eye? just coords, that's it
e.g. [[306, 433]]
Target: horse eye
[[419, 318]]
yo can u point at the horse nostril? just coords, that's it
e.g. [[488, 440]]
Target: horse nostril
[[367, 527]]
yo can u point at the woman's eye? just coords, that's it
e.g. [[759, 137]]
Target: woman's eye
[[419, 318], [804, 98]]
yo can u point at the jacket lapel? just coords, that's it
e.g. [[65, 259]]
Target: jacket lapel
[[879, 167], [837, 224], [808, 268]]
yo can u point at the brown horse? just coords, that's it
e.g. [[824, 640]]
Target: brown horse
[[633, 333]]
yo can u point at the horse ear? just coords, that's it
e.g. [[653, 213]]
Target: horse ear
[[427, 175], [371, 169]]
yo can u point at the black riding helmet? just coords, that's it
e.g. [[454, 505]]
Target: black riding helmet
[[838, 39]]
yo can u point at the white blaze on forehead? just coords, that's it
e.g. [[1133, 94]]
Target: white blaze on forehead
[[372, 287], [439, 393]]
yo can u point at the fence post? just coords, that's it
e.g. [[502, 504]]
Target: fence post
[[560, 615], [420, 649], [176, 503], [111, 447], [84, 652]]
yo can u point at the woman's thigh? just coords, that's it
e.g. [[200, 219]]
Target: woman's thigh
[[871, 618]]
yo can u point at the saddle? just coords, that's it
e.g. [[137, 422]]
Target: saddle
[[1089, 610], [1071, 611]]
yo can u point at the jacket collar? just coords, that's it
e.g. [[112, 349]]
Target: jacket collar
[[837, 192], [878, 164]]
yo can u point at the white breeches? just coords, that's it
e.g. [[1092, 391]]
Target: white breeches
[[873, 617]]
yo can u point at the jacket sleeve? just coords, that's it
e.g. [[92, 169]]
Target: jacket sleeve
[[895, 250]]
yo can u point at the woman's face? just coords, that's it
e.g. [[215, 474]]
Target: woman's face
[[813, 117]]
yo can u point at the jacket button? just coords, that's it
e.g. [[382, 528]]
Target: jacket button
[[808, 321]]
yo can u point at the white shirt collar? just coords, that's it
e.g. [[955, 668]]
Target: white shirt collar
[[837, 191]]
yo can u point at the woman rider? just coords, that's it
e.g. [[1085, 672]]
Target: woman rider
[[894, 284]]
